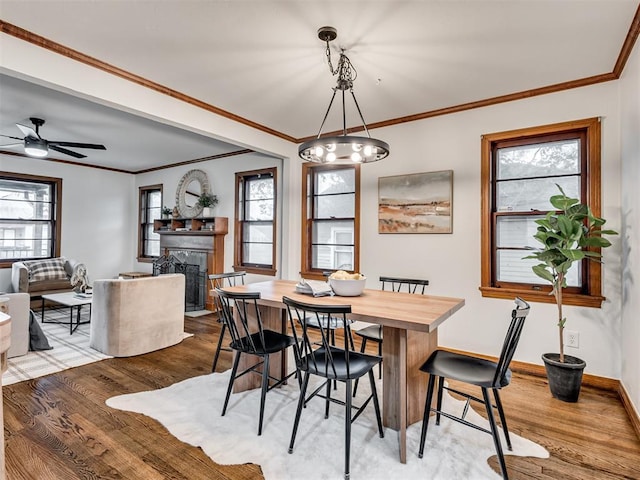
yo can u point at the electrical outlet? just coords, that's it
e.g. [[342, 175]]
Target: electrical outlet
[[571, 338]]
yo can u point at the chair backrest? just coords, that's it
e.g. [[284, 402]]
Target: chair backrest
[[222, 280], [240, 313], [409, 285], [308, 317], [518, 316]]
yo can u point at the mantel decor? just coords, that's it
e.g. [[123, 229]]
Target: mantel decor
[[416, 203], [192, 185]]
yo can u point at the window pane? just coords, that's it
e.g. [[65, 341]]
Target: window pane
[[326, 257], [258, 232], [527, 195], [152, 248], [23, 209], [260, 209], [539, 160], [261, 189], [517, 231], [511, 267], [335, 181], [336, 206], [25, 240], [331, 232], [258, 253], [155, 199]]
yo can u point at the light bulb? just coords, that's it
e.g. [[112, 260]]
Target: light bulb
[[331, 147], [356, 157], [318, 151], [331, 157], [356, 147], [368, 151]]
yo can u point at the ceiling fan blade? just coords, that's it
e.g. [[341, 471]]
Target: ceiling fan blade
[[77, 145], [9, 136], [28, 131], [65, 151]]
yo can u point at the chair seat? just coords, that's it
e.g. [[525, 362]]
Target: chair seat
[[372, 332], [359, 364], [273, 342], [472, 370]]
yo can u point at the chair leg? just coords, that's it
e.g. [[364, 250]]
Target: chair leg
[[347, 429], [503, 419], [236, 361], [303, 392], [439, 404], [265, 388], [328, 399], [376, 403], [223, 330], [380, 364], [363, 346], [427, 413], [494, 433]]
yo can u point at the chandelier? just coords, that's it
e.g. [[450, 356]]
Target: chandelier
[[342, 148]]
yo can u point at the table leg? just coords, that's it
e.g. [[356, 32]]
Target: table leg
[[42, 312], [403, 385], [71, 321]]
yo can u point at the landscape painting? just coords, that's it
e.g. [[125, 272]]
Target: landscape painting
[[416, 203]]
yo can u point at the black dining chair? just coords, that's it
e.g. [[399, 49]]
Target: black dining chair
[[374, 332], [241, 315], [222, 280], [326, 360], [486, 374]]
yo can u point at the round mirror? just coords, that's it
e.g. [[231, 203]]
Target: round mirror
[[193, 184]]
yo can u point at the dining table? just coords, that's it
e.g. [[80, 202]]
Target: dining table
[[410, 330]]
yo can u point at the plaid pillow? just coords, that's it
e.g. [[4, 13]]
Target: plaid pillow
[[49, 269]]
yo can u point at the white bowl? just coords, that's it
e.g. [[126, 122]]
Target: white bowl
[[347, 288]]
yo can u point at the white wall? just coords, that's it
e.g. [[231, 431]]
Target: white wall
[[97, 211], [221, 174], [630, 153]]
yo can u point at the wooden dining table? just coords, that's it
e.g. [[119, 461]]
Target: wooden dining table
[[409, 323]]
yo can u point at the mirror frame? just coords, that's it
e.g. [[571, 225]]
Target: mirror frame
[[185, 210]]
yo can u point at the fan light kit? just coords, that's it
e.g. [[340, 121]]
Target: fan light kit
[[36, 146], [342, 148]]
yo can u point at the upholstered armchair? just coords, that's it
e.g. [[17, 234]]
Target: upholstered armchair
[[41, 277]]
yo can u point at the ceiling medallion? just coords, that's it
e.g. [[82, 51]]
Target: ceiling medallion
[[342, 148]]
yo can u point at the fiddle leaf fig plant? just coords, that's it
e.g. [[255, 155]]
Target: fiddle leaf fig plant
[[568, 235]]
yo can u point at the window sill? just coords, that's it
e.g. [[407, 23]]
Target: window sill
[[256, 270], [147, 259], [581, 300]]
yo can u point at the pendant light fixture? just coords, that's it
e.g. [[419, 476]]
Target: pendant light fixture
[[342, 148]]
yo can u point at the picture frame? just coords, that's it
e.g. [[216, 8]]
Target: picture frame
[[416, 203]]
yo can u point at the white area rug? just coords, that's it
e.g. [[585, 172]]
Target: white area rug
[[190, 410], [68, 351]]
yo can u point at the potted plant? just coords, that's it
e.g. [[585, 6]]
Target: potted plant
[[166, 212], [207, 201], [568, 235]]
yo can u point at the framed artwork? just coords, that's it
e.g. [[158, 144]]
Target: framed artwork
[[416, 203]]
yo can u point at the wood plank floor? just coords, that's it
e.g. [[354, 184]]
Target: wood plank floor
[[58, 427]]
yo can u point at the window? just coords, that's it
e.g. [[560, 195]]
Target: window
[[30, 210], [255, 225], [150, 209], [520, 170], [330, 213]]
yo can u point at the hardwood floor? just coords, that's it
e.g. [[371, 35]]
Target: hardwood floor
[[58, 427]]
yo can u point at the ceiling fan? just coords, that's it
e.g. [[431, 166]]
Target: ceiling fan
[[36, 146]]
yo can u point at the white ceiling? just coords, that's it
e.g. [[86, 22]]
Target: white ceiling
[[262, 60]]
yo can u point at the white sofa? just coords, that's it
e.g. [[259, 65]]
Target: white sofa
[[135, 316], [19, 312]]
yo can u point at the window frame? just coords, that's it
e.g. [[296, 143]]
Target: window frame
[[590, 294], [142, 192], [239, 223], [56, 211], [308, 189]]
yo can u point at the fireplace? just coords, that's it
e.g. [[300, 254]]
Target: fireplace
[[194, 269]]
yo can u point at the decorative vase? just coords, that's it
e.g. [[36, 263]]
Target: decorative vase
[[565, 378], [207, 212]]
